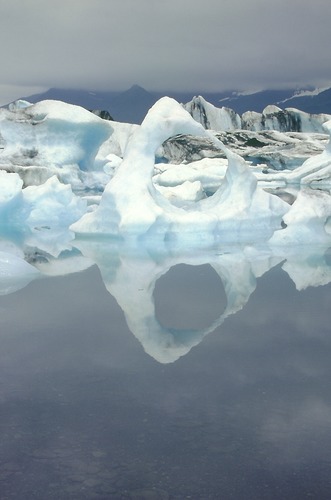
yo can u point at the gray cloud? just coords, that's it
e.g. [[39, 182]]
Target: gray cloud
[[173, 44]]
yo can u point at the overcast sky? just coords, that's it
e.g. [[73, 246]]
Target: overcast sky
[[193, 45]]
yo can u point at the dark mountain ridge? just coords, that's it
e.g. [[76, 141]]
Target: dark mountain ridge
[[132, 105]]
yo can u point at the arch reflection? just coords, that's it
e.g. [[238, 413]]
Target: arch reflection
[[130, 274]]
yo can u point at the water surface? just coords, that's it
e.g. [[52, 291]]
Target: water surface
[[91, 409]]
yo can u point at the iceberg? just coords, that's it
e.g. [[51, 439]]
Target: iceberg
[[52, 132], [153, 216], [271, 118], [50, 205], [314, 172], [211, 117], [131, 206], [308, 221], [55, 138], [57, 158], [41, 215]]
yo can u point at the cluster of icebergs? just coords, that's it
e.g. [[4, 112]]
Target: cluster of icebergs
[[76, 190], [271, 118], [52, 150]]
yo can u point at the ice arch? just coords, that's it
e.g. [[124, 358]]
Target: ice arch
[[132, 207]]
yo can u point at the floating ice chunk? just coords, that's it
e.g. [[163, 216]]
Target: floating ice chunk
[[52, 204], [11, 199], [307, 221], [315, 171], [19, 104], [211, 117], [52, 133], [10, 187], [283, 120], [209, 172], [272, 118], [113, 161], [185, 192], [56, 138], [131, 205]]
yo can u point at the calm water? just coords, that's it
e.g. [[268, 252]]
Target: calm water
[[220, 389]]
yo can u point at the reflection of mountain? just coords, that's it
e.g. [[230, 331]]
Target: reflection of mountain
[[130, 275]]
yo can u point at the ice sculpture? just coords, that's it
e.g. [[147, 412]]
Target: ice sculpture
[[132, 207]]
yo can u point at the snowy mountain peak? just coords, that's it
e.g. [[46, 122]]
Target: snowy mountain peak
[[135, 87]]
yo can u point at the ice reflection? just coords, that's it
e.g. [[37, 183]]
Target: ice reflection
[[131, 280], [130, 275]]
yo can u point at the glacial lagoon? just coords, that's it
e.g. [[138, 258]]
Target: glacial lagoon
[[220, 389], [159, 343]]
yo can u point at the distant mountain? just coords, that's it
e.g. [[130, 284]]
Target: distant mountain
[[86, 99], [132, 105], [257, 101], [314, 102]]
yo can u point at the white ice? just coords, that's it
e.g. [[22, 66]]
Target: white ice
[[156, 213], [308, 221], [314, 172], [271, 118], [51, 204], [131, 205], [56, 138], [52, 143]]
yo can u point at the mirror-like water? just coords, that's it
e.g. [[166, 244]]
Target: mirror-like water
[[242, 411]]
